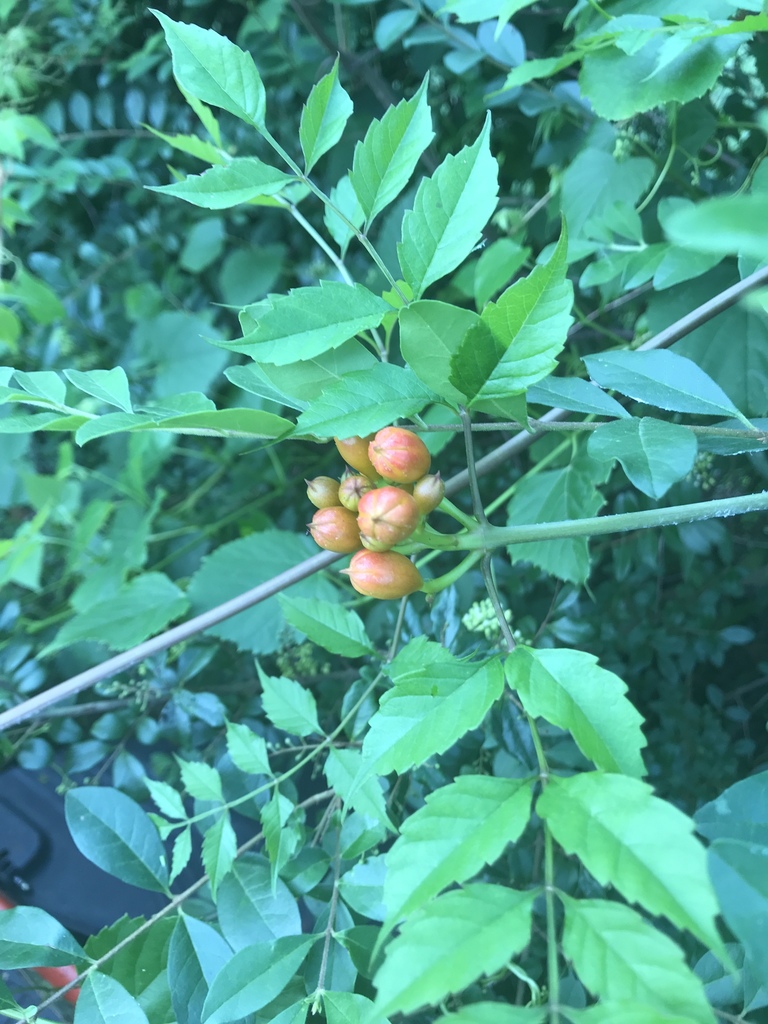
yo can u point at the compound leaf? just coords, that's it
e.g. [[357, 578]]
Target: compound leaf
[[643, 846]]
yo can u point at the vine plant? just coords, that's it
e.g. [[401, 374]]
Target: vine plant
[[342, 904]]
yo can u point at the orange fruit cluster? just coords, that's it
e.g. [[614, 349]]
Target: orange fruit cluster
[[376, 505]]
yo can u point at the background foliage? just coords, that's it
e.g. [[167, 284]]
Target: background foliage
[[135, 497]]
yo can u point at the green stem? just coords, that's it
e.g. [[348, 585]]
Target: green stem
[[553, 971], [326, 200], [667, 163], [488, 537], [447, 579], [467, 521]]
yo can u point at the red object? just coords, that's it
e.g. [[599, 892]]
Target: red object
[[58, 977]]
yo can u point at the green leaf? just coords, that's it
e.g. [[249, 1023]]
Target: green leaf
[[250, 909], [201, 780], [252, 423], [215, 70], [435, 699], [449, 213], [361, 888], [655, 454], [349, 1008], [515, 343], [625, 1012], [584, 206], [197, 953], [727, 225], [386, 158], [323, 117], [140, 965], [244, 563], [392, 26], [307, 322], [167, 799], [43, 384], [342, 768], [109, 386], [495, 1013], [544, 67], [620, 85], [337, 630], [741, 370], [345, 201], [103, 1000], [219, 850], [7, 1002], [570, 690], [644, 847], [137, 610], [289, 706], [254, 977], [663, 379], [113, 832], [618, 955], [471, 11], [299, 383], [193, 145], [576, 395], [280, 842], [430, 333], [365, 401], [247, 749], [552, 496], [741, 812], [31, 938], [450, 943], [737, 869], [461, 828], [220, 188], [497, 265], [182, 853]]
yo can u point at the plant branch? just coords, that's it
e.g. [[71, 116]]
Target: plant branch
[[516, 444], [163, 641], [176, 902], [489, 537], [676, 331]]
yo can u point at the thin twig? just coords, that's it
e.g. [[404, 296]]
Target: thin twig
[[163, 641]]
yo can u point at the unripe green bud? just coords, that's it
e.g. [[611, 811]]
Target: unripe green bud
[[351, 490], [428, 493], [323, 491]]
